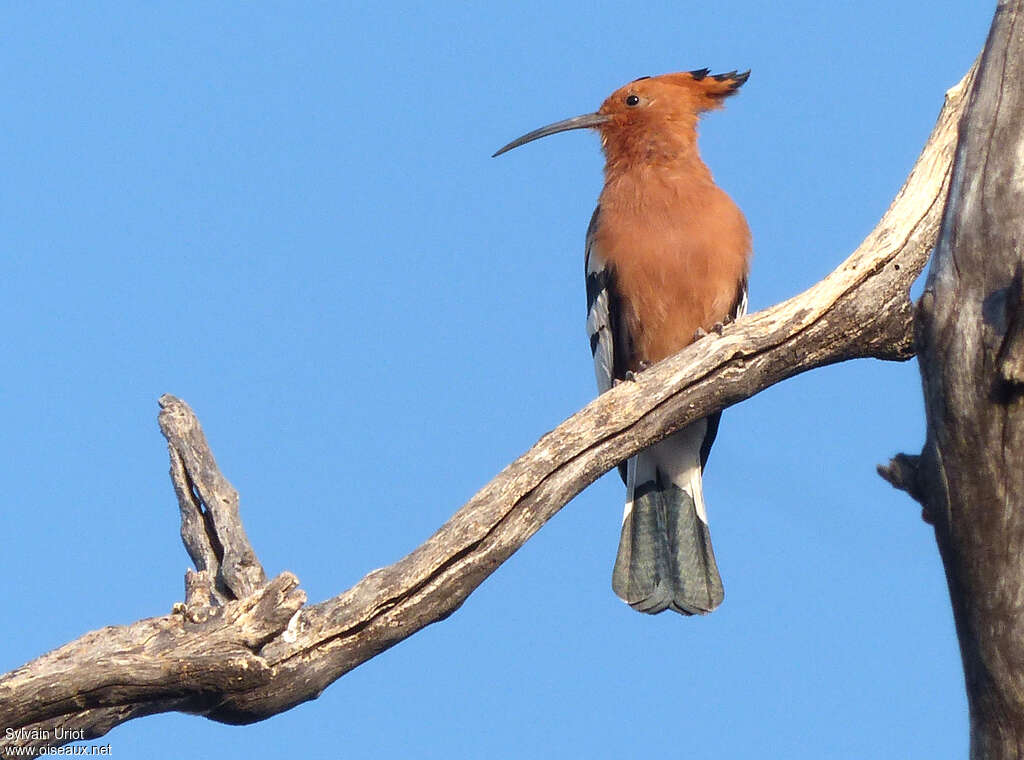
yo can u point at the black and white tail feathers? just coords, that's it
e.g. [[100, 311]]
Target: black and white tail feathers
[[665, 559]]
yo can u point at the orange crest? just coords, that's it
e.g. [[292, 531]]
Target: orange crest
[[713, 87]]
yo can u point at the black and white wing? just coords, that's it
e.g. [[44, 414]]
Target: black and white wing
[[610, 343]]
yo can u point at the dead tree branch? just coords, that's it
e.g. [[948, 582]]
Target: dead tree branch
[[211, 528], [240, 650]]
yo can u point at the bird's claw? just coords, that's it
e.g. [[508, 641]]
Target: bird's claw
[[630, 376], [716, 328]]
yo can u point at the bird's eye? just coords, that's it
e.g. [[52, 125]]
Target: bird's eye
[[632, 100]]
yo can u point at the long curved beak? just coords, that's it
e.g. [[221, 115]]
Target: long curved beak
[[576, 122]]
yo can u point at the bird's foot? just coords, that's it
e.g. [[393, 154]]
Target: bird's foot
[[716, 328], [630, 376]]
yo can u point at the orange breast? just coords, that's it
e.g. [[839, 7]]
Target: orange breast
[[679, 247]]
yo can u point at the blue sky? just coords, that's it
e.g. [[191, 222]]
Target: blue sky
[[287, 214]]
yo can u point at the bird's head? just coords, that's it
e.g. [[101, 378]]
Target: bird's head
[[652, 118]]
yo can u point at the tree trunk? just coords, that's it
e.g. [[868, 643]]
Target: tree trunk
[[970, 328]]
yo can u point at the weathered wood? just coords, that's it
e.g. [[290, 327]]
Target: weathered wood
[[239, 656], [210, 526], [970, 343], [904, 472], [175, 662]]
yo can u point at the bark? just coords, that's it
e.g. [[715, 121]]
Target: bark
[[240, 649], [969, 477]]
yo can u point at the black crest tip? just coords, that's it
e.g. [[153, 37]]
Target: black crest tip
[[734, 79]]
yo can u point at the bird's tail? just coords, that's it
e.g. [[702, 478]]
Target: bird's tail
[[665, 557]]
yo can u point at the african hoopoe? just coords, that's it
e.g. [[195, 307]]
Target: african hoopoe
[[667, 256]]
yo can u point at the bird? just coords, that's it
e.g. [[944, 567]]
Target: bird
[[667, 258]]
